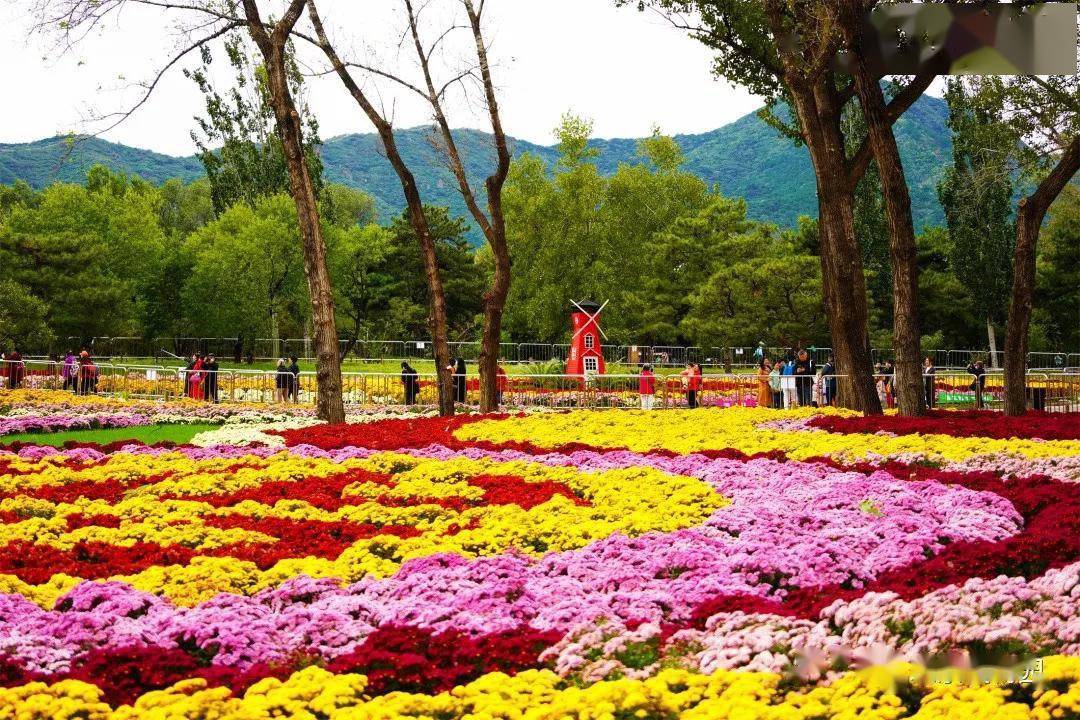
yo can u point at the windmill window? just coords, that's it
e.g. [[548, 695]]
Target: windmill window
[[590, 342], [590, 365]]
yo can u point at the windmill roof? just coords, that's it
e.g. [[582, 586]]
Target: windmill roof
[[589, 306]]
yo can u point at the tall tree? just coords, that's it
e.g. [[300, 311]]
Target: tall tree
[[1058, 292], [908, 382], [1043, 114], [87, 251], [23, 323], [785, 51], [238, 144], [204, 22], [273, 42], [976, 194], [414, 204], [490, 220], [246, 269], [575, 233]]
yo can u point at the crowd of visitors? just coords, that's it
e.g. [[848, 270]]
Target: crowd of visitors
[[459, 387], [78, 373], [793, 380], [287, 380], [200, 378]]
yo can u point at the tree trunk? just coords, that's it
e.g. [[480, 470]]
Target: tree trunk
[[494, 302], [907, 382], [275, 335], [991, 338], [842, 280], [329, 404], [1029, 217], [844, 291], [417, 218], [436, 295]]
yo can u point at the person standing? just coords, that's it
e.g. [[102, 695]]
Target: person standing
[[977, 369], [87, 374], [211, 368], [410, 383], [787, 385], [692, 382], [68, 371], [759, 353], [774, 385], [16, 369], [928, 375], [647, 387], [890, 383], [282, 379], [764, 394], [804, 380], [458, 379], [294, 383], [195, 378], [188, 370], [828, 374], [879, 384]]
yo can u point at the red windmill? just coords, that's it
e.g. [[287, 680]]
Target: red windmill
[[586, 353]]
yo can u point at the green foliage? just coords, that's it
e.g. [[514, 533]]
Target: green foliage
[[761, 287], [1057, 290], [746, 158], [149, 434], [681, 261], [574, 233], [247, 273], [976, 194], [238, 141], [86, 252], [573, 135], [871, 226], [944, 302], [22, 318], [347, 207], [463, 280]]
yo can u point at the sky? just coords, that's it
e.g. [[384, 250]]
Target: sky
[[625, 70]]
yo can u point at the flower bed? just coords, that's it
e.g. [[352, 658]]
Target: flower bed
[[963, 423], [696, 564]]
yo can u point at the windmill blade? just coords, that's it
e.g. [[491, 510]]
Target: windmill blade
[[592, 318], [597, 322]]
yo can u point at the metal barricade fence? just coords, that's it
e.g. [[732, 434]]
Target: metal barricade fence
[[1055, 362], [667, 355], [126, 347], [534, 352], [468, 351], [1062, 392], [952, 389], [957, 389]]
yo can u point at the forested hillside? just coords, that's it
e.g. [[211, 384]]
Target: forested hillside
[[746, 158]]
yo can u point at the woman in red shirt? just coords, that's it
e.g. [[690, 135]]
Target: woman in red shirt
[[647, 387]]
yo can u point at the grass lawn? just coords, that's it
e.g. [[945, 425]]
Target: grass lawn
[[148, 434]]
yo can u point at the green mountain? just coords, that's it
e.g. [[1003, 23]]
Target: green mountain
[[42, 162], [746, 158]]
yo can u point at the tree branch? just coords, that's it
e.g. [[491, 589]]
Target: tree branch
[[860, 159]]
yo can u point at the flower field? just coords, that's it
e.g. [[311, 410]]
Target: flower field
[[737, 562]]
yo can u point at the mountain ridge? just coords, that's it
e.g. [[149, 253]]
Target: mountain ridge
[[745, 158]]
